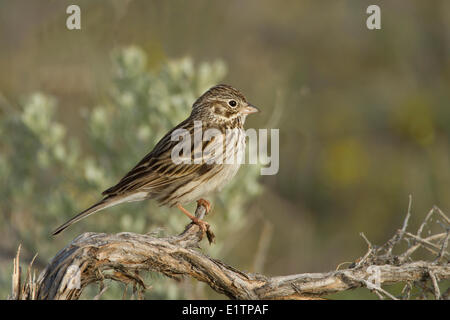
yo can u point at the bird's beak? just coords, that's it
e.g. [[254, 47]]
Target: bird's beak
[[249, 109]]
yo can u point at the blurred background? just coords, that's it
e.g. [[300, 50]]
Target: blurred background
[[364, 119]]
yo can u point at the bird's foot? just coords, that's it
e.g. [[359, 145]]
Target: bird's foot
[[205, 203], [204, 226]]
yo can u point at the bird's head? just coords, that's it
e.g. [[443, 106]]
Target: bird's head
[[223, 104]]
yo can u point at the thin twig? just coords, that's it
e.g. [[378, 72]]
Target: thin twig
[[427, 244], [425, 221], [102, 291], [437, 292], [399, 234], [443, 216], [372, 287], [442, 252], [404, 256]]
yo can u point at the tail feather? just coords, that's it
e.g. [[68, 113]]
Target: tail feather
[[106, 202]]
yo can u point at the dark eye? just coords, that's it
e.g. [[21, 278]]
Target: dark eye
[[232, 103]]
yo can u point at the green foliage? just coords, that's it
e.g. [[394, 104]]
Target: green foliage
[[48, 175]]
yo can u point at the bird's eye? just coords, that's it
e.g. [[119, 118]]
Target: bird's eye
[[232, 103]]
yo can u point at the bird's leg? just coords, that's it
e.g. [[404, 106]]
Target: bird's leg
[[204, 226], [205, 203]]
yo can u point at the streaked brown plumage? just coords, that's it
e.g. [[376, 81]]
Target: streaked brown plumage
[[157, 177]]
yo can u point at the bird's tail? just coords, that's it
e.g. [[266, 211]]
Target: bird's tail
[[106, 202]]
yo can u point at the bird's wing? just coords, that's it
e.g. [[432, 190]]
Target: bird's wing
[[157, 169]]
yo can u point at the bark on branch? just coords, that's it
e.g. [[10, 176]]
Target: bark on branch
[[94, 257]]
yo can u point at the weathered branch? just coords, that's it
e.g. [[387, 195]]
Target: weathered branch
[[93, 257]]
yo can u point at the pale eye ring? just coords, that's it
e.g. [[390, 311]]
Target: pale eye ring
[[232, 103]]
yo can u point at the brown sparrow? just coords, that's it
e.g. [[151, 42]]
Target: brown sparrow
[[222, 110]]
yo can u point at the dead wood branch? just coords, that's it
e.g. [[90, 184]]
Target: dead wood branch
[[92, 258]]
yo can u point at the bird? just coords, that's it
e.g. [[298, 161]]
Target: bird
[[221, 109]]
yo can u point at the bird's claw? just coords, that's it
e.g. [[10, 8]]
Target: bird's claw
[[203, 225], [205, 229]]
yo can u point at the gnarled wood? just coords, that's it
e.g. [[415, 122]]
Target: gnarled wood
[[93, 257]]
